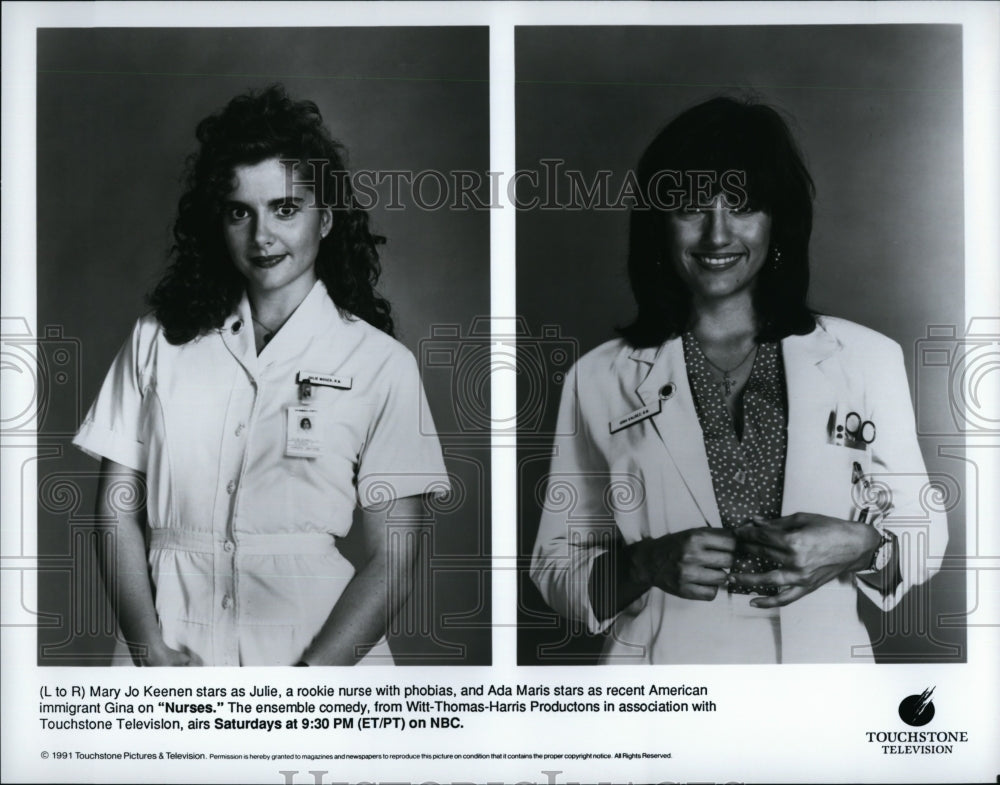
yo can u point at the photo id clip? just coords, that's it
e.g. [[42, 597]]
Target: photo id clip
[[303, 436]]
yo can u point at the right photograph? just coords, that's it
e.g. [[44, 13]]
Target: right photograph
[[743, 398]]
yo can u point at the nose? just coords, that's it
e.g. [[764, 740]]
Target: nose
[[716, 227], [262, 234]]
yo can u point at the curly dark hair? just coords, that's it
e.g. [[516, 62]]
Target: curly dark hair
[[718, 136], [201, 286]]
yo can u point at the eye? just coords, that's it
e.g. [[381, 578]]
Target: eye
[[237, 212], [691, 209], [287, 210], [744, 207]]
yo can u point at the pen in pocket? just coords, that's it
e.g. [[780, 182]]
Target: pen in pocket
[[858, 476]]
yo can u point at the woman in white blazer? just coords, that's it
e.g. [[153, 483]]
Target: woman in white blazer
[[734, 470]]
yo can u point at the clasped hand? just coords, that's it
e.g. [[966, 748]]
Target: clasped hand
[[692, 564], [811, 549]]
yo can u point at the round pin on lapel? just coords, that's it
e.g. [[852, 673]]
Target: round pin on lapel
[[667, 391]]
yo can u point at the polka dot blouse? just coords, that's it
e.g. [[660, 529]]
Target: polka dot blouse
[[747, 474]]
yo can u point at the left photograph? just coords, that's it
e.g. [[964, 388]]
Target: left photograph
[[262, 257]]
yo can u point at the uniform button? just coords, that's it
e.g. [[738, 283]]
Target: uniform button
[[227, 601], [231, 486], [228, 546], [239, 429]]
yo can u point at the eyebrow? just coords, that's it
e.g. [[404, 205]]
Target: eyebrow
[[283, 200]]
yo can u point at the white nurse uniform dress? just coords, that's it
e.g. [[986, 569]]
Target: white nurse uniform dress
[[242, 556]]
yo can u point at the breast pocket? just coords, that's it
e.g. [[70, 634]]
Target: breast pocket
[[341, 428], [836, 482], [344, 425]]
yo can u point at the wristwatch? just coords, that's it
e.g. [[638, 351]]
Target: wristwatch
[[883, 553]]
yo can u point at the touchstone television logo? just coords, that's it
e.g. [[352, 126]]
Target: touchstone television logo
[[917, 710]]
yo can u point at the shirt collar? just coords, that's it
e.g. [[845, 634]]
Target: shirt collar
[[316, 314], [316, 308]]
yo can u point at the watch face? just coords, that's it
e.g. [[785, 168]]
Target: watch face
[[883, 553]]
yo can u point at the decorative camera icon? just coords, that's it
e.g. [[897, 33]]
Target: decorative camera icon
[[958, 379], [466, 364], [41, 380]]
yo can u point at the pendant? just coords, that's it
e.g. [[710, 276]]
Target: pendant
[[728, 383]]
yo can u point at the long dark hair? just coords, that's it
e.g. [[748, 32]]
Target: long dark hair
[[201, 286], [719, 136]]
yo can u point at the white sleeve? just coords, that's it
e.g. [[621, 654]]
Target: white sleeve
[[112, 427], [898, 471], [576, 517], [402, 454]]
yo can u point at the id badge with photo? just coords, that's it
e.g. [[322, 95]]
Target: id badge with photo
[[303, 437]]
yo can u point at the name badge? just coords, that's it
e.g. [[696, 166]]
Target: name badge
[[324, 380], [643, 413], [303, 437]]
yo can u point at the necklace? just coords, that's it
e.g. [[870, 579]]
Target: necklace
[[727, 380], [268, 331]]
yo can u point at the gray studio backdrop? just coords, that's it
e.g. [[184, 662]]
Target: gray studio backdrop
[[117, 110], [878, 113]]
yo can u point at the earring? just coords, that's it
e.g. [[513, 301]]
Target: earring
[[775, 257]]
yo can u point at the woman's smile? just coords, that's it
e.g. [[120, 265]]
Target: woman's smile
[[716, 262], [266, 262], [718, 250]]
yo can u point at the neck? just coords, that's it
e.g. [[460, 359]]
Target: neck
[[724, 321], [274, 307]]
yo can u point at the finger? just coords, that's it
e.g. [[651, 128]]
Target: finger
[[756, 580], [694, 591], [760, 535], [718, 560], [717, 540], [764, 580], [784, 597], [767, 552], [698, 575], [789, 522]]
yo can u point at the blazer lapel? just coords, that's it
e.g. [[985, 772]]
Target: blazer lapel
[[813, 376], [677, 423]]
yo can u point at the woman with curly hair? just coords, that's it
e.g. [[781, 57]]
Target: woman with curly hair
[[257, 407]]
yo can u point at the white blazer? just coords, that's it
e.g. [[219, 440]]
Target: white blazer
[[651, 478]]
